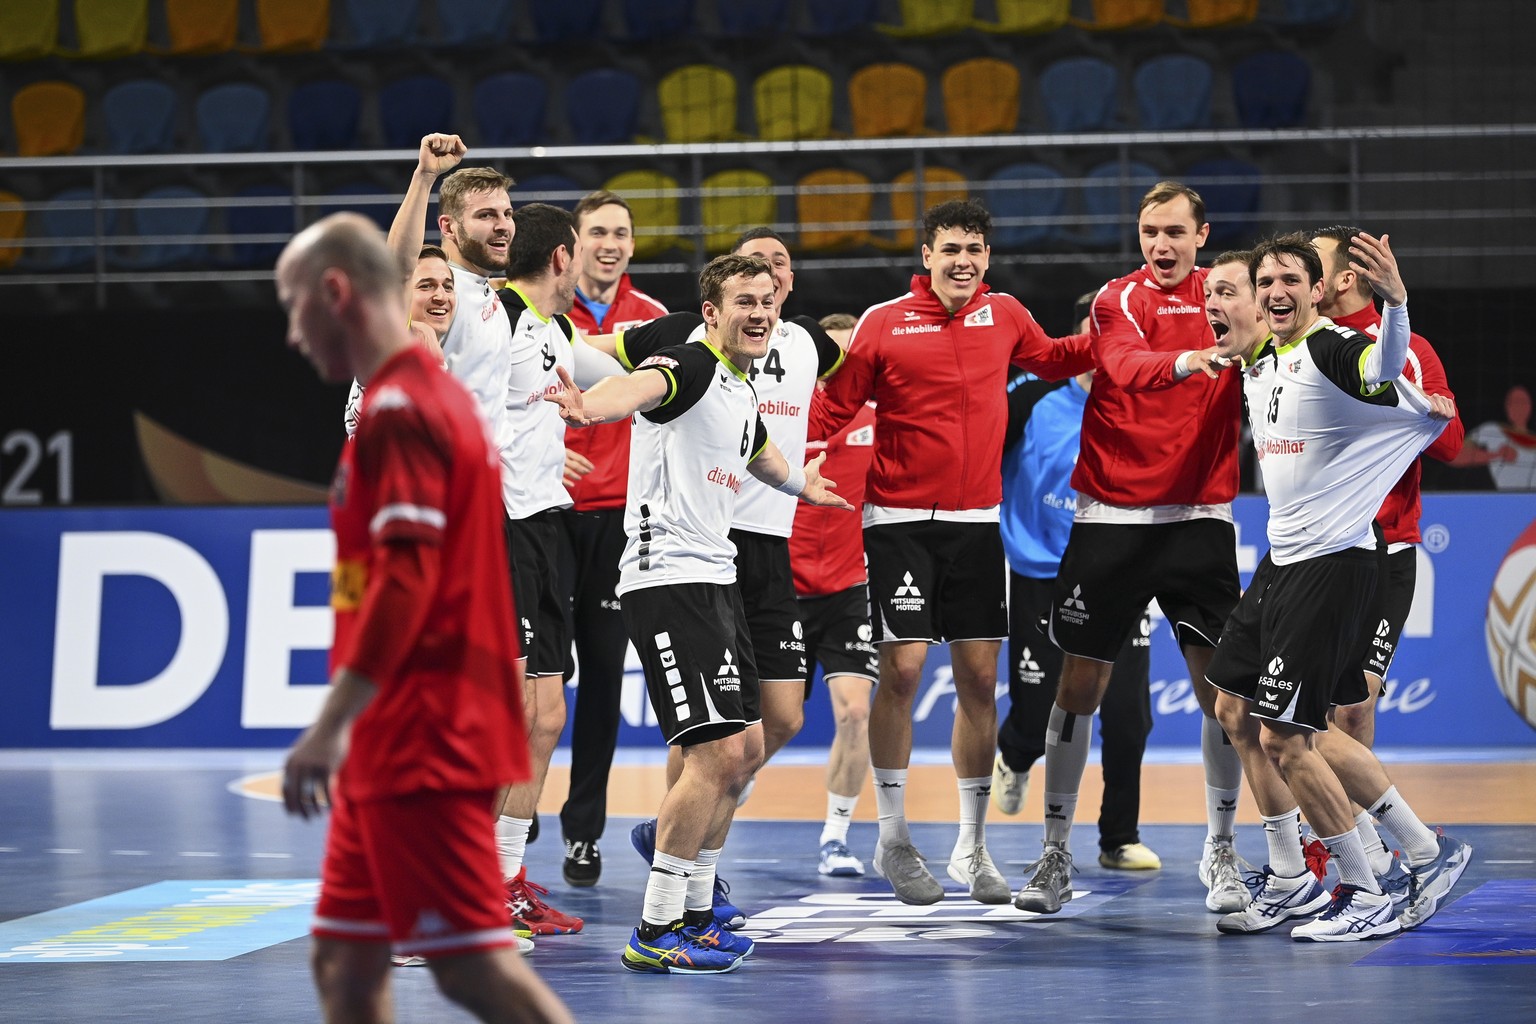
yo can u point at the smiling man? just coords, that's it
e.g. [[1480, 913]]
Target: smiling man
[[935, 360]]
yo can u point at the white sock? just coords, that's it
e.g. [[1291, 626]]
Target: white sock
[[1376, 850], [1223, 778], [839, 817], [1349, 857], [975, 794], [511, 843], [666, 889], [1283, 833], [891, 804], [1419, 842], [1067, 738], [701, 886]]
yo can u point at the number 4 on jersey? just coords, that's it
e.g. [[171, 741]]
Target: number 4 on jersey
[[771, 365]]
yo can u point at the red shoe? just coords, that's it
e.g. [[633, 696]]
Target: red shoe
[[530, 912]]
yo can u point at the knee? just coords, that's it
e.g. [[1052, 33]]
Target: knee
[[345, 991], [785, 723], [1354, 718], [900, 679], [1231, 714], [851, 717]]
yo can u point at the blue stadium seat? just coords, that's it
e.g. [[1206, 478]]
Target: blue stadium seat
[[835, 17], [52, 220], [1081, 94], [753, 19], [275, 219], [140, 117], [324, 115], [1271, 89], [1173, 92], [474, 22], [1024, 190], [1232, 204], [558, 21], [648, 20], [379, 208], [536, 188], [414, 106], [1113, 205], [602, 106], [182, 221], [509, 108], [383, 24], [1311, 13], [235, 117]]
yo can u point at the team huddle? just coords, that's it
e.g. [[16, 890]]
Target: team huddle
[[654, 486]]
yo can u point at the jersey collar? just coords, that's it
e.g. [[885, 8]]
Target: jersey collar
[[1319, 325], [724, 361]]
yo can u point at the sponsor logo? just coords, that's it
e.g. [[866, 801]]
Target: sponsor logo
[[1294, 367], [666, 361], [490, 308], [728, 676], [1029, 671], [778, 408], [607, 604], [1272, 446], [1276, 666], [917, 329], [798, 630], [792, 645], [725, 478], [907, 597], [1275, 692], [981, 318], [1169, 310], [1383, 628], [866, 632], [1053, 500], [879, 784], [910, 315], [672, 677], [864, 437], [1054, 812], [1073, 609]]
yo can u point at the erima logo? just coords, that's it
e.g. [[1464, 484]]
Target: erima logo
[[1383, 809], [1228, 805], [1270, 698], [1053, 812], [887, 785], [909, 315], [1276, 666], [1075, 600]]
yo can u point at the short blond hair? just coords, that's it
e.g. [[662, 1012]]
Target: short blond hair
[[1166, 192], [465, 182]]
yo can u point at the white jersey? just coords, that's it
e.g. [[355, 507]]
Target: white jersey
[[1518, 474], [477, 350], [687, 460], [531, 434], [1331, 443]]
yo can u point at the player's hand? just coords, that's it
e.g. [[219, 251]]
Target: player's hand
[[308, 770], [440, 153], [1372, 259], [1210, 361], [1441, 407], [577, 466], [818, 489], [568, 398]]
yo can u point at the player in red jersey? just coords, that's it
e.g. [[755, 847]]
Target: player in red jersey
[[592, 537], [1155, 478], [409, 859], [936, 362]]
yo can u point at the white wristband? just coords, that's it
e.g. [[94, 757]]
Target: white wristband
[[796, 482]]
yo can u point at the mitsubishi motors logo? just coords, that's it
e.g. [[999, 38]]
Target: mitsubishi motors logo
[[1029, 671], [729, 668], [907, 597], [1073, 610], [1075, 600], [728, 676]]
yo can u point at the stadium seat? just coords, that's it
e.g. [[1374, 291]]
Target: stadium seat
[[981, 96], [1215, 13], [939, 185], [291, 26], [649, 20], [174, 212], [653, 201], [1024, 191], [836, 17], [1311, 13], [1027, 17], [1231, 190], [732, 201], [474, 22], [793, 102], [888, 99], [831, 221], [383, 24], [1080, 94], [364, 197], [324, 115], [760, 17], [1173, 92], [698, 104], [558, 21], [29, 29], [69, 215], [1122, 15], [262, 218], [235, 117], [554, 189], [602, 107], [48, 118], [13, 228], [139, 116], [1111, 205], [202, 26], [1271, 89], [108, 29], [414, 106], [921, 19], [509, 108]]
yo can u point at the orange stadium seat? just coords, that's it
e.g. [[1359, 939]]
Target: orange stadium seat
[[698, 104], [887, 100], [924, 18], [1215, 13], [1120, 15], [732, 201], [13, 226], [109, 29], [793, 102], [1027, 17], [290, 26], [652, 199], [49, 119], [939, 185], [202, 26], [981, 96], [29, 29], [833, 220]]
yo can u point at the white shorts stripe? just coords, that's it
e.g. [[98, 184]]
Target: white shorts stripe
[[461, 940]]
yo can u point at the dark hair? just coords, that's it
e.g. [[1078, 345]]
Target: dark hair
[[969, 215], [753, 234], [596, 201], [1297, 245], [1166, 192], [722, 268], [1083, 307], [431, 252], [1344, 234], [838, 322], [541, 229]]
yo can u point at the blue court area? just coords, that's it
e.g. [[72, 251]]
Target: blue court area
[[141, 888]]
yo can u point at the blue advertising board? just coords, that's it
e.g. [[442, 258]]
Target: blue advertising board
[[206, 627]]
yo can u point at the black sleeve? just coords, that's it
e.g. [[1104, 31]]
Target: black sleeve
[[1338, 352], [689, 370], [829, 354], [637, 344], [760, 440], [567, 327], [1024, 391]]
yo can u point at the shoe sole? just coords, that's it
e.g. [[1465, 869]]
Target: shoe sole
[[1305, 910], [1040, 902], [1380, 931], [909, 901], [581, 881], [1115, 865], [1239, 902], [993, 898], [1005, 805], [1450, 877], [839, 872], [646, 967]]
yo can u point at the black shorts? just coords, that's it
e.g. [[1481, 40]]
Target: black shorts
[[838, 636], [1389, 612], [1111, 571], [937, 580], [768, 596], [699, 671], [1292, 644], [532, 546]]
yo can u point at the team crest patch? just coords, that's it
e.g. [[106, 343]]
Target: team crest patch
[[981, 318]]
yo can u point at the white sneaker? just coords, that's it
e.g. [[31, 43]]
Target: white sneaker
[[1051, 885], [1275, 899], [910, 879], [1431, 883], [974, 870], [1008, 786], [838, 861], [1351, 915], [1221, 869]]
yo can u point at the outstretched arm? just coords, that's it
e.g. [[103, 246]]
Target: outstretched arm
[[807, 484], [612, 398], [439, 154], [1372, 257]]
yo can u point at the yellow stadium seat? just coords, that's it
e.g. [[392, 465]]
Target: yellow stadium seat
[[13, 226], [108, 29], [202, 26], [732, 201], [29, 29], [981, 96], [49, 119], [1216, 13], [1120, 15], [833, 220], [939, 185], [1027, 17], [793, 102], [698, 104], [922, 18], [652, 198], [887, 100], [290, 26]]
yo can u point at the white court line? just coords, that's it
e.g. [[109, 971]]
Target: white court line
[[129, 853]]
